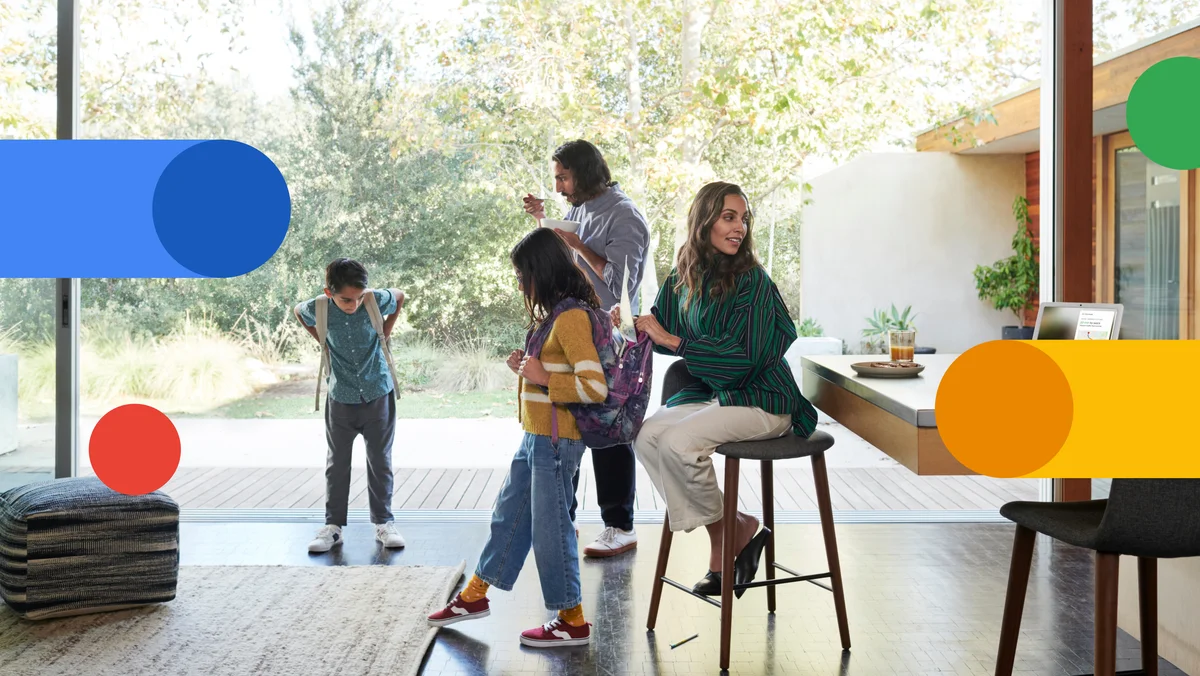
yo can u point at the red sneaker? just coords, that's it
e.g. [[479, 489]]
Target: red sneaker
[[459, 610], [557, 633]]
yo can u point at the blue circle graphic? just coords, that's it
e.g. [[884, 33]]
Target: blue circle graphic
[[221, 208]]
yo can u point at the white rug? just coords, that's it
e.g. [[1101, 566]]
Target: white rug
[[343, 620]]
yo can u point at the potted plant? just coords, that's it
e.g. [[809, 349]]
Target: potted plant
[[875, 336], [1012, 283]]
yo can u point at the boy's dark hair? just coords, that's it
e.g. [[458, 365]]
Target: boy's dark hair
[[587, 166], [345, 272], [548, 274]]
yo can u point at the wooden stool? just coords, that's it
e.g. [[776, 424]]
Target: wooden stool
[[766, 452]]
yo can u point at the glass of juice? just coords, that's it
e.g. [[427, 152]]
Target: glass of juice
[[903, 345]]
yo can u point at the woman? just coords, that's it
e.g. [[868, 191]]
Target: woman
[[532, 511], [722, 314]]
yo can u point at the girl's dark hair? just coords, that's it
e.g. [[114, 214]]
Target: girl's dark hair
[[587, 166], [548, 274], [699, 263], [345, 272]]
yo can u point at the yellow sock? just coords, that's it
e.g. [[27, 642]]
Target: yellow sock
[[572, 616], [476, 589]]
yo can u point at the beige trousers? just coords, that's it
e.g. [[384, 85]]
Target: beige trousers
[[676, 445]]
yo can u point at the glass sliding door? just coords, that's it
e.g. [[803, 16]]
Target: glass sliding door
[[27, 381], [1146, 252]]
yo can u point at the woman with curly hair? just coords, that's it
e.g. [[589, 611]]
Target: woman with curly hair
[[721, 313]]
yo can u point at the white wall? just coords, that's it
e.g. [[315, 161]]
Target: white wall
[[909, 229]]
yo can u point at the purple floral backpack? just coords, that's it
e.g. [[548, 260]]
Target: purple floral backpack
[[626, 369]]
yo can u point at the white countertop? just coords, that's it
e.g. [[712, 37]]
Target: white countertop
[[911, 399]]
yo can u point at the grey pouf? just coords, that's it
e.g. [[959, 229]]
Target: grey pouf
[[75, 546]]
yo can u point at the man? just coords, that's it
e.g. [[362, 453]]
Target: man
[[613, 233]]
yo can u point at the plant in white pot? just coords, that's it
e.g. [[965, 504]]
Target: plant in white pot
[[1012, 283]]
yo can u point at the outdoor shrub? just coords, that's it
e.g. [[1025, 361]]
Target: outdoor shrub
[[472, 367], [417, 359], [809, 328]]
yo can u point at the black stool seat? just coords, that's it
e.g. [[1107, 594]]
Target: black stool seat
[[1075, 523], [783, 448]]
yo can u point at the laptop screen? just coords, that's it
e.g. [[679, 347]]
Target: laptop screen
[[1064, 322]]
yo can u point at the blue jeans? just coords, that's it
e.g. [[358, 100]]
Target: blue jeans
[[532, 511]]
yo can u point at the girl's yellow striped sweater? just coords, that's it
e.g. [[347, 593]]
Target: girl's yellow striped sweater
[[570, 357]]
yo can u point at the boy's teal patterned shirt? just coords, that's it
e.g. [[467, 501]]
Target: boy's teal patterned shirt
[[359, 369]]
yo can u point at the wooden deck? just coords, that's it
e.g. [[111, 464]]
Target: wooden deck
[[476, 489]]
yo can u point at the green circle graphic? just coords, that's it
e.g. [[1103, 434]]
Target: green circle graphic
[[1163, 113]]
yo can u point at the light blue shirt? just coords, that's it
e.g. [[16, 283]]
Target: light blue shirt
[[359, 370], [613, 227]]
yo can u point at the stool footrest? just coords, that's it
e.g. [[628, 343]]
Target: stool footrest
[[795, 577], [811, 578], [687, 590]]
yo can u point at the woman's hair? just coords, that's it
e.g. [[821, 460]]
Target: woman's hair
[[699, 262], [548, 274], [587, 167]]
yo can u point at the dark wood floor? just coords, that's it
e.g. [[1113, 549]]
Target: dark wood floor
[[851, 489], [922, 599]]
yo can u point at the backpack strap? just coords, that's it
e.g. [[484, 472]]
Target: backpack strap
[[377, 322], [321, 309]]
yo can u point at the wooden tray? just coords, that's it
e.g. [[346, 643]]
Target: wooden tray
[[887, 369]]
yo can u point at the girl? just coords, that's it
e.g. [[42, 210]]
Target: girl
[[533, 507], [722, 314]]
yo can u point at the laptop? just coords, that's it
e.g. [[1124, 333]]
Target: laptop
[[1078, 321]]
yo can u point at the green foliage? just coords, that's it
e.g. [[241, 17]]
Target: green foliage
[[407, 142], [190, 368], [1012, 283], [809, 328], [472, 367], [416, 358], [882, 321]]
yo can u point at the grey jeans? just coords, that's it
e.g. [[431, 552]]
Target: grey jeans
[[376, 422]]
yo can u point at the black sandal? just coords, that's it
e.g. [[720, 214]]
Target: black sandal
[[709, 586], [745, 566]]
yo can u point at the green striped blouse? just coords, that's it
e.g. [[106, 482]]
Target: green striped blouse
[[736, 347]]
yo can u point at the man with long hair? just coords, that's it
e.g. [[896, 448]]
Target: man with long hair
[[613, 234]]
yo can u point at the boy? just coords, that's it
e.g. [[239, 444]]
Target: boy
[[361, 399]]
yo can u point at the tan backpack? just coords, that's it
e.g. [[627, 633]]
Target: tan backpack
[[322, 312]]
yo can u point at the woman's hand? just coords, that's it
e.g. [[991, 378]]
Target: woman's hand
[[649, 325], [615, 313], [531, 369], [514, 361]]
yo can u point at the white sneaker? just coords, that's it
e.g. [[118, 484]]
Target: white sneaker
[[388, 535], [612, 541], [326, 538]]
